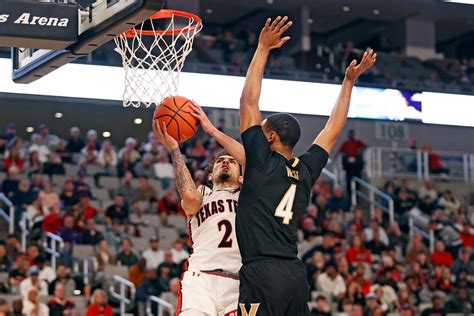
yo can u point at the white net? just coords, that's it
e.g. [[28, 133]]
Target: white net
[[153, 58]]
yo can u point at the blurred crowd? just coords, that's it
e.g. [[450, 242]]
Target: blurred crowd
[[357, 264]]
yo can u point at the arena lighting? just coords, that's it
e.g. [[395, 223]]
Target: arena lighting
[[106, 134], [218, 91], [461, 1], [58, 115], [138, 121], [30, 129], [346, 8]]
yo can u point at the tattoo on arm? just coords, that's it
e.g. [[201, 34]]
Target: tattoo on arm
[[184, 180]]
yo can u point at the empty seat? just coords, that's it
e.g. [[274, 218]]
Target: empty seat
[[109, 182], [83, 251], [71, 170], [140, 244], [101, 194], [148, 232], [178, 221], [80, 303], [110, 271], [59, 179], [167, 237]]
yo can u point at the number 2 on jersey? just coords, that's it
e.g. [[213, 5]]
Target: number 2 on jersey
[[226, 241], [285, 207]]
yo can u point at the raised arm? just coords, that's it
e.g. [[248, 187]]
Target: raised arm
[[328, 136], [233, 147], [270, 38], [191, 199]]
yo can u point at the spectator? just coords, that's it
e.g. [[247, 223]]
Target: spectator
[[359, 278], [145, 192], [13, 247], [5, 261], [130, 144], [92, 140], [125, 165], [429, 290], [118, 210], [136, 274], [415, 247], [99, 305], [126, 257], [14, 159], [440, 256], [376, 246], [8, 137], [321, 307], [436, 309], [68, 232], [91, 236], [338, 202], [74, 143], [64, 278], [460, 303], [89, 155], [23, 196], [168, 262], [357, 252], [85, 207], [171, 296], [33, 165], [103, 255], [17, 306], [46, 272], [169, 204], [331, 281], [352, 160], [178, 252], [32, 304], [449, 203], [48, 197], [327, 248], [164, 170], [108, 157], [59, 305], [144, 168], [63, 154], [11, 183], [47, 139], [154, 255], [427, 205], [370, 232], [428, 189], [149, 286], [165, 275], [69, 197], [37, 145], [435, 165], [127, 188], [33, 282], [54, 165], [53, 221]]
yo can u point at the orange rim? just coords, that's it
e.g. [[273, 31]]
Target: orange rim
[[167, 14]]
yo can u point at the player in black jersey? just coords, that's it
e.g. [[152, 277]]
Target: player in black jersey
[[277, 186]]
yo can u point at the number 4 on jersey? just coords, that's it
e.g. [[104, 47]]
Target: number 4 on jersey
[[285, 207]]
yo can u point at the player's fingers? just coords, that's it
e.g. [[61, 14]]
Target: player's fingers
[[267, 23], [157, 129], [353, 63], [281, 23], [164, 130], [283, 41], [196, 107], [275, 22], [286, 27]]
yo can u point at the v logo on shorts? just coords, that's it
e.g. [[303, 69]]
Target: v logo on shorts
[[253, 309]]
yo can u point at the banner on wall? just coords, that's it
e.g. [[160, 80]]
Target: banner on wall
[[218, 91]]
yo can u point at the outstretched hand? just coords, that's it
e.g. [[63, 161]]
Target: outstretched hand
[[200, 115], [270, 36], [355, 70], [163, 137]]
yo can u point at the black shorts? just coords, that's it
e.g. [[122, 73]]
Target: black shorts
[[274, 288]]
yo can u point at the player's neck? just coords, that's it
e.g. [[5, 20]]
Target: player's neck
[[225, 185], [287, 153]]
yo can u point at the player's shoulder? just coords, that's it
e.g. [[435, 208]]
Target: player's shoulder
[[204, 190]]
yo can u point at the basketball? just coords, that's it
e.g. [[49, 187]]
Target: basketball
[[176, 114]]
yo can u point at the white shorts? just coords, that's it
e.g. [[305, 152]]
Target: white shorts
[[208, 292]]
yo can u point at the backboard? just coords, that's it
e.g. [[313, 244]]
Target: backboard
[[48, 34]]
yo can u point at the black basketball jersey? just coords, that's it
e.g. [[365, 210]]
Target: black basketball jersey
[[274, 195]]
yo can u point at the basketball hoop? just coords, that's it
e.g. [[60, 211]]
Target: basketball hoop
[[153, 59]]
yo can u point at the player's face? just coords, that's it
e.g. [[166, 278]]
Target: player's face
[[226, 169]]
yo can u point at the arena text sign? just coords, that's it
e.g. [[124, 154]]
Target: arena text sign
[[28, 19]]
